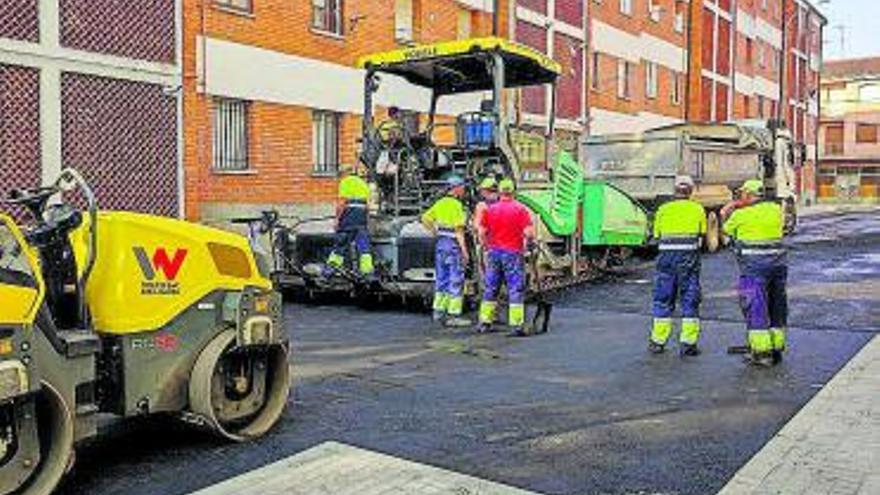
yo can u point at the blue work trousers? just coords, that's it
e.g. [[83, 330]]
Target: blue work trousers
[[677, 277], [762, 292]]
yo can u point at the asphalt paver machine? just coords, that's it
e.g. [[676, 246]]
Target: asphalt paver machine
[[472, 129]]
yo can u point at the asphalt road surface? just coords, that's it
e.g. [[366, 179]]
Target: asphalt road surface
[[583, 409]]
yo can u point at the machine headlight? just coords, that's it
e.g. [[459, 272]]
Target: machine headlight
[[257, 330], [13, 379]]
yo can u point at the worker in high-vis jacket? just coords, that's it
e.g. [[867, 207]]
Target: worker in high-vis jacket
[[756, 226], [507, 227], [352, 215], [447, 220], [679, 225], [488, 196]]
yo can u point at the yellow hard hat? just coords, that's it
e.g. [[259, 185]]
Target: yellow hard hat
[[506, 186], [753, 186], [488, 183]]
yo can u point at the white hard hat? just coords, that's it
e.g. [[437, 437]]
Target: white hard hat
[[684, 181]]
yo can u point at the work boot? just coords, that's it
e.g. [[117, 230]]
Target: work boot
[[438, 317], [777, 357], [457, 322], [656, 348], [689, 350], [517, 332], [762, 359], [484, 328]]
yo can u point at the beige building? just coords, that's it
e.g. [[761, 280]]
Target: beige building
[[849, 138]]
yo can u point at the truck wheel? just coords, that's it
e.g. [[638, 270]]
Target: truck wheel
[[53, 421], [713, 232], [240, 392]]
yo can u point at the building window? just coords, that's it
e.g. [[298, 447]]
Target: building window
[[463, 30], [403, 21], [654, 10], [239, 5], [747, 106], [760, 106], [327, 16], [750, 48], [651, 80], [231, 130], [626, 7], [676, 88], [679, 17], [594, 71], [325, 142], [866, 133], [623, 74], [762, 57]]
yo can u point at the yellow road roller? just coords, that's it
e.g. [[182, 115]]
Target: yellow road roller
[[128, 314]]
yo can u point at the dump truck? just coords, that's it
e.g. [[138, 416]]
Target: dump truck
[[719, 157]]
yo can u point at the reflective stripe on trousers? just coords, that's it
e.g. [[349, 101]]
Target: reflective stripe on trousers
[[448, 277]]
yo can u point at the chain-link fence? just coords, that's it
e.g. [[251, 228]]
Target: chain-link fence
[[139, 29], [122, 135], [20, 20], [19, 130]]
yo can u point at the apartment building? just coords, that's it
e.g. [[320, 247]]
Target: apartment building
[[750, 55], [105, 101], [638, 64], [273, 101], [849, 136]]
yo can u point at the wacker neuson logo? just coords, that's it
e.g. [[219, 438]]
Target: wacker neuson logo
[[151, 266]]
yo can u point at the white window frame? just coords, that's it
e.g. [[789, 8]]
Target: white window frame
[[231, 135], [403, 21], [679, 18], [675, 93], [319, 16], [595, 63], [326, 129], [654, 11], [246, 6], [651, 80], [626, 7], [624, 72]]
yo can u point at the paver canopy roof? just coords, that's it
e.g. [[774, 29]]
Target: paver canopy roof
[[459, 66]]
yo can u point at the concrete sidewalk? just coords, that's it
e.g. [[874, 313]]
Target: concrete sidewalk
[[337, 469], [832, 446]]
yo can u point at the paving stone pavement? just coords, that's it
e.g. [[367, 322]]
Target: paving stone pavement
[[832, 446], [337, 469]]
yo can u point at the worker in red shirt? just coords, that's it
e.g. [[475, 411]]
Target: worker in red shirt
[[507, 227]]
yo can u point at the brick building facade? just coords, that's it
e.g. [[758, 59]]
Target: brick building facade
[[849, 135], [270, 100], [273, 102], [77, 94], [638, 64], [747, 56]]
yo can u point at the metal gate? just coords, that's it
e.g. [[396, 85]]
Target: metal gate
[[19, 129], [122, 135]]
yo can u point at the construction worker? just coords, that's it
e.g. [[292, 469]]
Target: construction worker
[[507, 228], [352, 216], [756, 226], [488, 196], [679, 225], [447, 220]]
